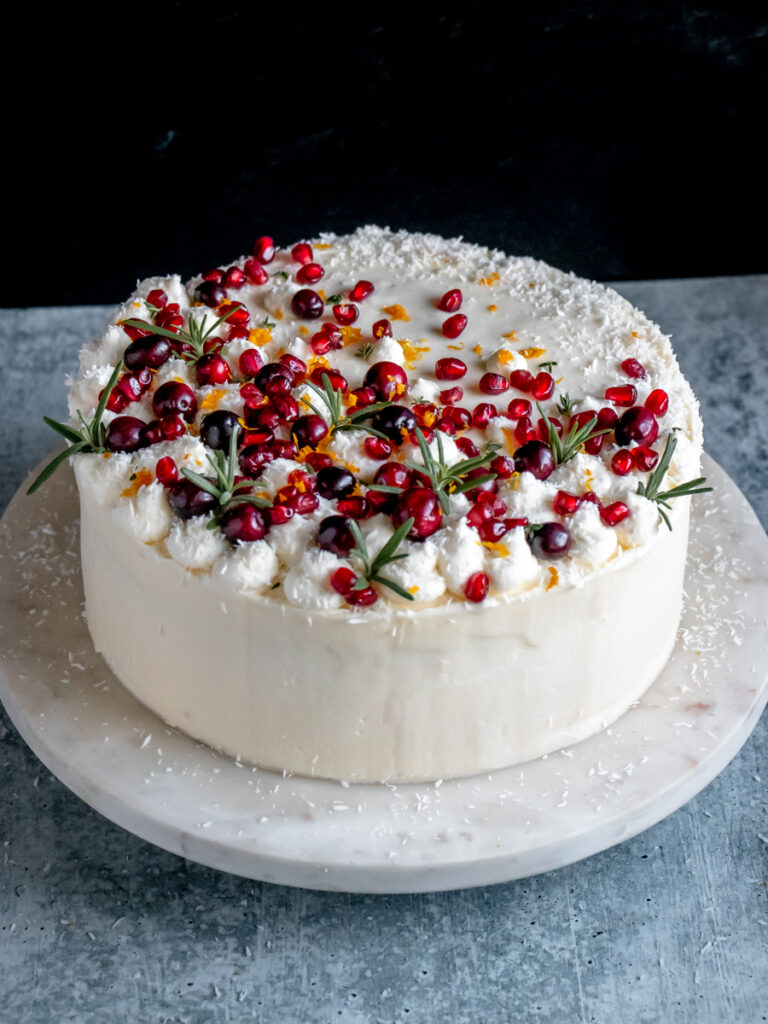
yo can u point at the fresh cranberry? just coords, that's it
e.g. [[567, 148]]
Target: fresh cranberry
[[217, 428], [381, 329], [482, 415], [150, 353], [657, 402], [188, 500], [521, 379], [279, 514], [335, 482], [645, 458], [637, 424], [167, 429], [274, 379], [476, 587], [492, 530], [607, 419], [423, 506], [542, 386], [254, 458], [490, 486], [261, 417], [633, 369], [622, 462], [395, 422], [210, 293], [254, 272], [309, 431], [614, 513], [307, 304], [493, 384], [454, 325], [318, 461], [360, 291], [388, 380], [126, 434], [284, 449], [377, 448], [334, 535], [346, 313], [310, 273], [258, 435], [503, 466], [174, 398], [393, 474], [451, 301], [244, 523], [264, 249], [450, 368], [212, 369], [535, 457], [302, 253], [363, 397], [552, 541]]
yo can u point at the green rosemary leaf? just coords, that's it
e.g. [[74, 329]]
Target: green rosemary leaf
[[682, 490], [385, 488], [53, 465], [61, 428], [155, 329], [360, 548], [333, 299], [364, 351], [393, 586], [202, 482], [96, 421], [392, 545], [468, 485], [213, 327]]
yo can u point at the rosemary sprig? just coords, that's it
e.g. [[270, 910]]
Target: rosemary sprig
[[372, 567], [566, 447], [548, 364], [89, 438], [195, 335], [364, 351], [446, 480], [650, 489], [333, 299], [564, 404], [341, 420], [223, 486]]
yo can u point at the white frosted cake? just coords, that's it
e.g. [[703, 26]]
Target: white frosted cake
[[403, 514]]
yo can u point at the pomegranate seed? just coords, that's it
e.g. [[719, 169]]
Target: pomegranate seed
[[454, 325], [614, 513], [307, 305], [524, 431], [237, 331], [166, 471], [254, 458], [457, 417], [158, 298], [238, 314], [503, 466], [361, 291], [172, 427], [214, 274], [451, 395], [377, 448], [297, 366], [134, 333], [594, 445], [254, 272], [261, 434], [264, 249], [518, 408], [476, 587], [279, 514], [492, 531], [381, 329], [393, 474], [343, 580], [542, 386], [493, 384], [251, 395], [337, 380], [354, 508], [212, 345], [362, 397], [250, 362], [451, 301], [490, 500], [211, 369], [345, 313], [302, 252], [286, 407], [633, 369], [542, 429], [521, 379], [478, 515], [306, 503], [265, 416], [450, 369], [362, 597], [320, 343], [565, 504], [657, 402], [622, 462], [310, 273], [645, 458], [169, 320], [426, 414], [512, 523], [623, 395], [468, 447], [234, 278], [116, 401], [607, 419]]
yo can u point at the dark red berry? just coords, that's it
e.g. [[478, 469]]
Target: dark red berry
[[244, 523], [174, 398], [125, 434], [188, 500], [395, 422], [451, 301], [254, 458], [307, 304], [423, 506], [552, 541], [150, 353], [335, 482], [354, 508], [275, 379], [309, 431], [476, 587], [388, 380], [217, 427], [337, 380], [250, 362], [214, 274], [393, 474], [377, 448], [637, 424], [210, 293], [536, 458], [334, 535]]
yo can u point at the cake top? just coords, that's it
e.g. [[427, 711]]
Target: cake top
[[385, 419]]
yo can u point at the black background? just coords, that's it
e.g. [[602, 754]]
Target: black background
[[617, 140]]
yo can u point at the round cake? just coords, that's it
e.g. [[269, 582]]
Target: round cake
[[383, 506]]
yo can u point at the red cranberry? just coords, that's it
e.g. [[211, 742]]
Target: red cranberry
[[284, 449], [157, 298], [217, 428], [343, 580], [503, 466], [388, 380], [657, 402], [307, 304], [244, 523], [622, 462], [645, 458], [363, 397], [310, 273], [254, 458], [302, 253], [210, 293], [334, 535], [637, 424], [454, 325], [150, 353], [451, 301], [536, 458], [482, 415], [188, 500], [254, 272], [565, 504], [167, 429], [622, 394], [335, 482], [395, 422], [450, 368], [521, 379], [133, 385], [279, 514], [377, 448], [492, 531], [614, 513], [542, 386], [633, 369], [318, 461], [126, 434], [476, 587], [174, 398], [264, 249], [346, 313], [166, 471], [552, 541], [493, 384], [309, 431], [423, 505], [258, 435], [594, 445], [489, 487], [381, 329], [212, 369], [361, 291], [262, 417]]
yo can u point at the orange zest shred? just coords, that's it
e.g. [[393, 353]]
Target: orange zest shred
[[259, 336], [212, 399], [323, 245], [414, 589], [509, 439], [588, 479], [496, 547], [303, 330], [510, 337], [278, 314], [505, 356], [137, 305], [492, 308], [316, 361], [351, 335], [554, 579], [352, 467], [490, 279], [478, 350], [532, 353], [456, 348], [412, 353], [635, 334], [321, 293], [396, 312], [142, 478]]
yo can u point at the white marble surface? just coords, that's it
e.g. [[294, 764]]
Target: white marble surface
[[183, 796]]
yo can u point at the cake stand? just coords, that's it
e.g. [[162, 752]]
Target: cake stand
[[181, 795]]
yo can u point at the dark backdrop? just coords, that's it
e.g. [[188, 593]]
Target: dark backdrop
[[614, 139]]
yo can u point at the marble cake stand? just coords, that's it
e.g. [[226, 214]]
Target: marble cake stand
[[122, 760]]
